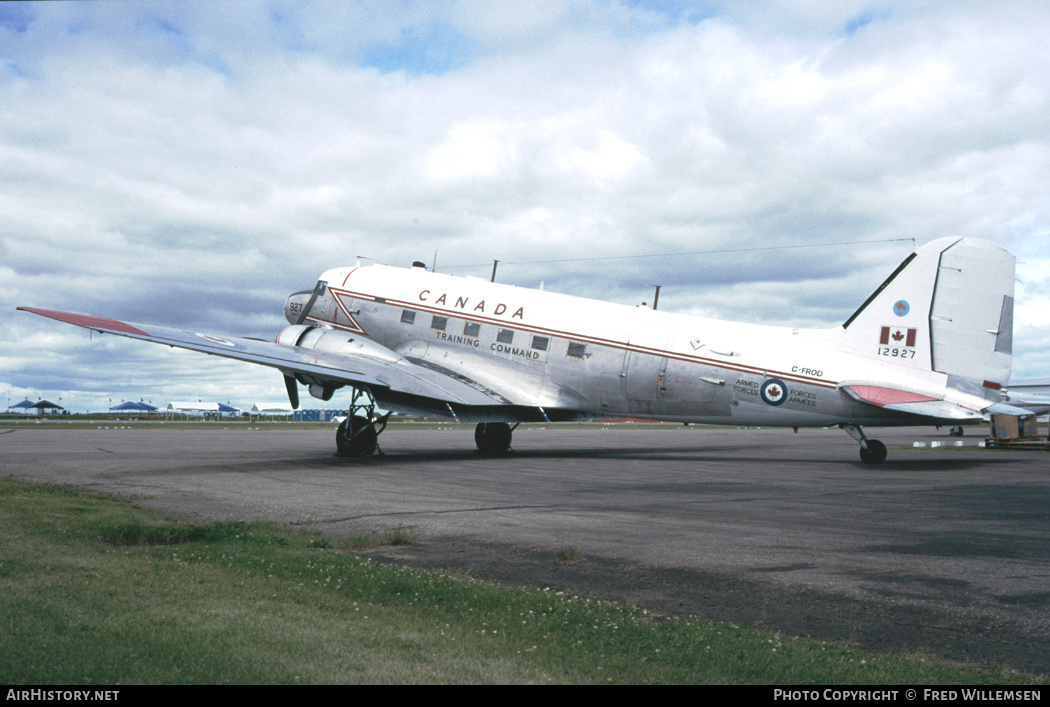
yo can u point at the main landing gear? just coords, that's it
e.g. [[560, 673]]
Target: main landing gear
[[872, 451], [493, 438], [358, 434]]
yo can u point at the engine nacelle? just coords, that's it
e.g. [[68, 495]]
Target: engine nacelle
[[290, 335], [319, 338]]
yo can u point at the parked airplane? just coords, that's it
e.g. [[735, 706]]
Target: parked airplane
[[1033, 395], [932, 345]]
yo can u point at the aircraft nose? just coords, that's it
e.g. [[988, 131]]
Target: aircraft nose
[[295, 305]]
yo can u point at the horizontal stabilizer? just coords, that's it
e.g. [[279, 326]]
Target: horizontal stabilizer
[[912, 402]]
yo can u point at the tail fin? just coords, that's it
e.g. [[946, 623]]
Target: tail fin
[[947, 308]]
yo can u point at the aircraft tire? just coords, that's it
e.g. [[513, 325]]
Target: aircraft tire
[[874, 454], [364, 444], [492, 438]]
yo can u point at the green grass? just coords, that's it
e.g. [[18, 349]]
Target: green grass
[[96, 591], [401, 535]]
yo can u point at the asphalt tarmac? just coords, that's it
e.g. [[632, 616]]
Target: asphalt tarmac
[[943, 550]]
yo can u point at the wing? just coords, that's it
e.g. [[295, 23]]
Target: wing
[[397, 382]]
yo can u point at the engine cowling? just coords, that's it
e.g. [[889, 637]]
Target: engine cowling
[[290, 335], [319, 338]]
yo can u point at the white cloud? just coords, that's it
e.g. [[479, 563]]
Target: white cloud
[[474, 149], [610, 158]]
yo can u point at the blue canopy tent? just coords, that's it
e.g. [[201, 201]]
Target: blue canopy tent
[[45, 405], [135, 407]]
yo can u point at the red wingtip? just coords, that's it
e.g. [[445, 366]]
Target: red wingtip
[[87, 321]]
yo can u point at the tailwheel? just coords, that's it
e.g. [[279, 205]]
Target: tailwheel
[[875, 452], [493, 438], [356, 437], [872, 451]]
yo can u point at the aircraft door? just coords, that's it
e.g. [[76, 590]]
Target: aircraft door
[[689, 383], [644, 380], [642, 376], [602, 377]]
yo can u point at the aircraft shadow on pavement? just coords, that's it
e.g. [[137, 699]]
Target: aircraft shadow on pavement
[[732, 454]]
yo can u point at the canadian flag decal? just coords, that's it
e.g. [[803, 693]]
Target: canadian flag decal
[[897, 336]]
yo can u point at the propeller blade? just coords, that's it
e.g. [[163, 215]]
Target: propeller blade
[[293, 391], [319, 289]]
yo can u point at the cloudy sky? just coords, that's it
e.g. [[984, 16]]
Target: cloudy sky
[[192, 163]]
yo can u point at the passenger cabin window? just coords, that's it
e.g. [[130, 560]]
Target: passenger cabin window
[[408, 316], [505, 336], [471, 329], [439, 323], [576, 350], [540, 343]]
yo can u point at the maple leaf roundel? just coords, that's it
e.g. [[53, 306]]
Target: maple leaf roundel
[[774, 392]]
